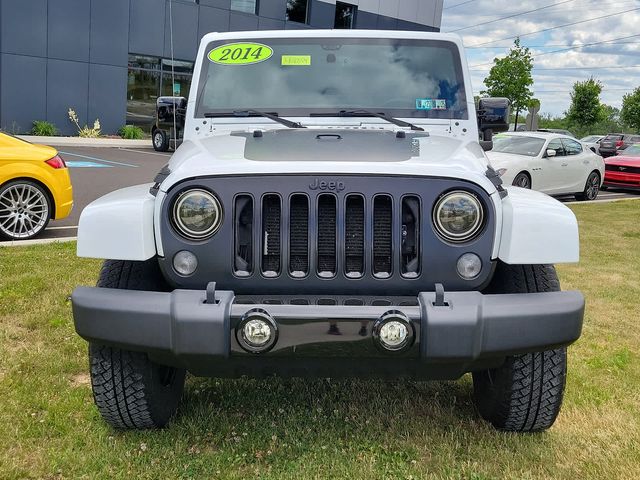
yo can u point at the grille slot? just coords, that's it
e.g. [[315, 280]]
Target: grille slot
[[410, 260], [243, 235], [299, 236], [271, 223], [327, 224], [354, 236], [382, 236]]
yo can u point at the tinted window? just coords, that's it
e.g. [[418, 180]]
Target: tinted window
[[345, 15], [247, 6], [572, 147], [302, 76], [519, 145], [297, 11], [557, 146]]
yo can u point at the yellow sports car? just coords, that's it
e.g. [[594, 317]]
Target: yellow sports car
[[34, 188]]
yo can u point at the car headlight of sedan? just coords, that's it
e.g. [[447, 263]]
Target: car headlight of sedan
[[458, 216], [197, 214]]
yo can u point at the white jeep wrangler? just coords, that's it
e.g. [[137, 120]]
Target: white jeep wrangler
[[331, 212]]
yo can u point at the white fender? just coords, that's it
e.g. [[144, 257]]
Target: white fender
[[119, 226], [537, 229]]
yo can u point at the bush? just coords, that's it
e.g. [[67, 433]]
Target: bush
[[42, 128], [84, 132], [131, 132]]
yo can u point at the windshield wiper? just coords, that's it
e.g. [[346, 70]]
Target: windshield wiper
[[369, 113], [256, 113]]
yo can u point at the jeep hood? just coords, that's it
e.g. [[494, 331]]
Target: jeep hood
[[329, 151]]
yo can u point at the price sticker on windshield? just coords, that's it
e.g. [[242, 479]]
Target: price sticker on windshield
[[240, 54]]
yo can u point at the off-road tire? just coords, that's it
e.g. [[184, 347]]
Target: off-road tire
[[130, 390], [525, 393], [160, 140]]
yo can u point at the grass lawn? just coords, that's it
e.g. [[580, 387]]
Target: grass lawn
[[297, 429]]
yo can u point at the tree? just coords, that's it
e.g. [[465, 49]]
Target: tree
[[585, 110], [630, 113], [510, 77]]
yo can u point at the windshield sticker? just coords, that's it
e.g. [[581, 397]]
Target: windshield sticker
[[430, 104], [296, 60], [240, 54]]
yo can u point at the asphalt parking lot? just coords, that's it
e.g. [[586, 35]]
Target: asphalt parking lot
[[98, 171]]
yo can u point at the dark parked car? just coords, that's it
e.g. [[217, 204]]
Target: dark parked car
[[162, 132], [615, 143]]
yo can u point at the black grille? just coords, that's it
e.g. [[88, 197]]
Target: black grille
[[382, 236], [271, 219], [327, 223], [243, 261], [299, 236], [621, 168], [328, 235], [354, 236]]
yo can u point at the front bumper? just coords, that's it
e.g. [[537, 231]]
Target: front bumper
[[471, 331]]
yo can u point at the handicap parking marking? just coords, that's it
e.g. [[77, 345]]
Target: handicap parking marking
[[100, 161], [85, 164]]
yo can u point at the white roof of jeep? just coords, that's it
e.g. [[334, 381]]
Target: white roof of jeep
[[215, 36]]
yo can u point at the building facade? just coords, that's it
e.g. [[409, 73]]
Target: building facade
[[111, 59]]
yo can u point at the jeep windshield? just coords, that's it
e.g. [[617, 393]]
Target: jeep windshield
[[301, 77]]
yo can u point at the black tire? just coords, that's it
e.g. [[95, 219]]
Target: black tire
[[591, 188], [525, 393], [160, 140], [130, 390], [36, 223], [603, 188], [522, 180]]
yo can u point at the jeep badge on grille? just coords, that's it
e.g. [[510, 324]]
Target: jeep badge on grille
[[334, 185]]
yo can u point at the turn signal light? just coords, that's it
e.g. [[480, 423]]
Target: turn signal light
[[56, 162]]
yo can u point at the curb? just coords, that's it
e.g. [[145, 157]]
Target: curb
[[41, 241], [87, 142]]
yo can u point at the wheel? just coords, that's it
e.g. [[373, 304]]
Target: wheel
[[522, 180], [160, 141], [130, 390], [525, 393], [25, 210], [591, 188]]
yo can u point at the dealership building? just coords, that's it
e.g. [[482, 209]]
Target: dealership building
[[111, 59]]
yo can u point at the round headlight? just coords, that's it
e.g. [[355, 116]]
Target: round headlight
[[197, 214], [458, 216]]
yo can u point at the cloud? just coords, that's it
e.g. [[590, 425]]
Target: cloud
[[553, 85]]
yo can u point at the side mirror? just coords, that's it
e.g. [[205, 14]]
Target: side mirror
[[551, 153], [493, 116]]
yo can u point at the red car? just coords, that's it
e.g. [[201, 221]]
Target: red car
[[623, 171]]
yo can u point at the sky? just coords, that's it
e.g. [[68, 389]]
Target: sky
[[554, 73]]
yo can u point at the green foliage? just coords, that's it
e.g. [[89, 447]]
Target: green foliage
[[510, 77], [630, 112], [609, 123], [42, 128], [585, 110], [131, 132], [86, 131]]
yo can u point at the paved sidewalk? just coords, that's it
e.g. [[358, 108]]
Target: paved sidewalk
[[88, 142]]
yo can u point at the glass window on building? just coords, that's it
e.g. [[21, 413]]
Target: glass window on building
[[246, 6], [297, 11], [149, 78], [345, 15]]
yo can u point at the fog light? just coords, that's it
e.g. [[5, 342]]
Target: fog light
[[393, 332], [469, 266], [185, 263], [257, 332]]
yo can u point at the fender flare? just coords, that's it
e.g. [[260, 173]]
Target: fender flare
[[119, 226], [537, 229]]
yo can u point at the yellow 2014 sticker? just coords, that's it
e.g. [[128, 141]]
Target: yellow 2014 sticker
[[296, 60], [240, 53]]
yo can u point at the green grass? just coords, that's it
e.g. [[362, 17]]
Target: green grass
[[281, 429]]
